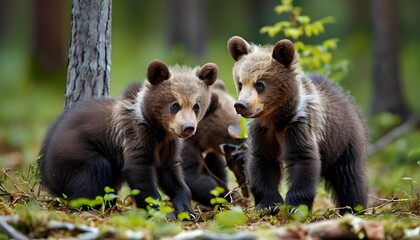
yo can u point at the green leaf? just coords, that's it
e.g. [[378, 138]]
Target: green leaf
[[308, 31], [304, 20], [183, 216], [317, 28], [287, 2], [219, 189], [218, 201], [358, 208], [80, 202], [301, 213], [294, 33], [109, 190], [281, 9], [283, 24], [265, 29], [299, 46], [166, 209], [110, 196], [231, 218], [150, 201], [214, 193], [328, 19], [134, 192], [221, 201], [330, 43], [297, 11], [326, 57]]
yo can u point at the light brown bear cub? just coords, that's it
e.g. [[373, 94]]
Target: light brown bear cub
[[305, 124], [220, 125], [103, 142]]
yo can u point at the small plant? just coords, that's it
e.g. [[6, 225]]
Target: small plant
[[157, 209], [24, 183], [217, 200], [31, 178], [138, 221], [227, 220], [104, 202], [313, 58], [301, 213]]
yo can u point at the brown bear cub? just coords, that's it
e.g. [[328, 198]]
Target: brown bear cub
[[203, 161], [305, 124], [103, 142]]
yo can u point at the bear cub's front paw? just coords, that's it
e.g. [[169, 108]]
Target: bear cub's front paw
[[268, 208]]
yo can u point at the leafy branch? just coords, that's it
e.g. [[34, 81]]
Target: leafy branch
[[313, 58]]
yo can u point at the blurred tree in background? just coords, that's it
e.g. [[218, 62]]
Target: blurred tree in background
[[387, 94], [49, 36], [187, 25]]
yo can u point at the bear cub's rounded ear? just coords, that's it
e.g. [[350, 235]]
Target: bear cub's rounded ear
[[157, 72], [218, 84], [238, 47], [208, 73], [284, 52]]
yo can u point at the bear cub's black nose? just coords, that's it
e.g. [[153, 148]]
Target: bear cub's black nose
[[241, 106], [188, 128]]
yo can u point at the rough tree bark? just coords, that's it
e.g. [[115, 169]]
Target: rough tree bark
[[89, 61], [387, 95]]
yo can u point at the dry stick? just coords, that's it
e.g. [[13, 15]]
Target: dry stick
[[386, 202], [349, 227], [8, 229], [4, 171], [394, 134]]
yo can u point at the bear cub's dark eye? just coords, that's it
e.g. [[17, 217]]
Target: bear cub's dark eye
[[196, 108], [259, 86], [175, 107], [239, 86]]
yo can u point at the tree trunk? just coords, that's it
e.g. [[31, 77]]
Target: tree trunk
[[187, 24], [89, 61], [5, 7], [387, 95]]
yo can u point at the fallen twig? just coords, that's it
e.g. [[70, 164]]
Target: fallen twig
[[349, 227], [9, 230]]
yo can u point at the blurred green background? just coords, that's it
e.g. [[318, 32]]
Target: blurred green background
[[34, 39]]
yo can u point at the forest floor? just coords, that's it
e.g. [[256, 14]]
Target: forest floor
[[26, 211]]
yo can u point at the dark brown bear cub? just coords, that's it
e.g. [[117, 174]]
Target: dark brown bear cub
[[103, 142], [202, 159], [305, 124]]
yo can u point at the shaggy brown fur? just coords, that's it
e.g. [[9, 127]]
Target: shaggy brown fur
[[220, 125], [305, 123], [103, 142]]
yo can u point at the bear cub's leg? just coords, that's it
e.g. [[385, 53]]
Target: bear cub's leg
[[265, 171], [346, 180]]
